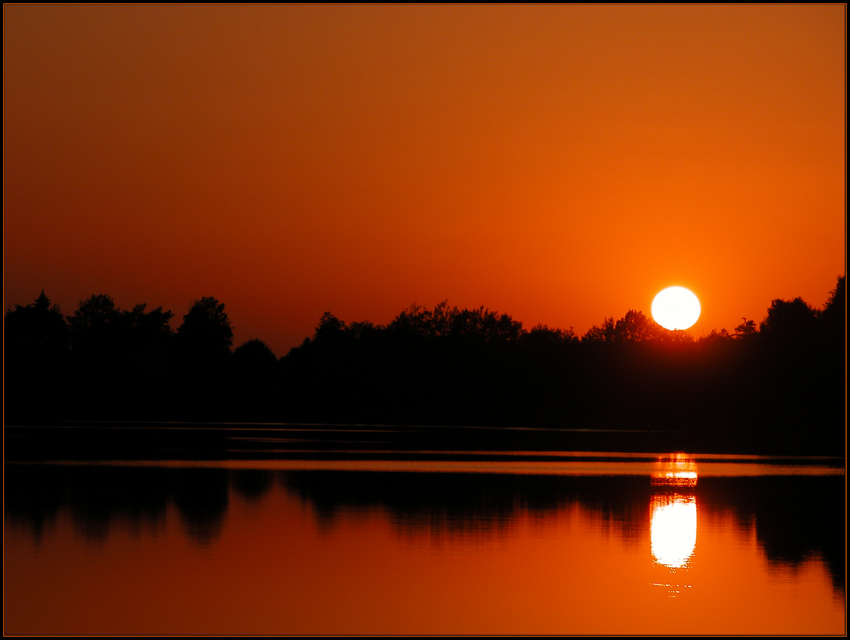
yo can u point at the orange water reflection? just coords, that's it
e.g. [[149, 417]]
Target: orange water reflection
[[342, 552], [673, 529], [673, 522], [676, 470]]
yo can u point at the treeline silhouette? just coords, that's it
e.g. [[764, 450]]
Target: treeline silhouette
[[778, 384]]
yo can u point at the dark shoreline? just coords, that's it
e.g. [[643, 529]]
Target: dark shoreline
[[105, 440]]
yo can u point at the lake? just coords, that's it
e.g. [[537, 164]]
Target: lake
[[294, 529]]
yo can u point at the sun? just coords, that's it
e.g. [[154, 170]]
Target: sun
[[676, 308]]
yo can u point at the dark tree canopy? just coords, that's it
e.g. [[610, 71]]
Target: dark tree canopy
[[153, 324], [36, 329], [789, 320], [715, 336], [254, 355], [542, 336], [490, 326], [362, 330], [99, 327], [600, 332], [95, 312], [443, 321], [834, 313], [146, 332], [206, 328], [746, 328], [95, 325], [329, 330], [440, 365], [634, 327], [419, 321]]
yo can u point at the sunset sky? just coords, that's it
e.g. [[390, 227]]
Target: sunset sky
[[561, 163]]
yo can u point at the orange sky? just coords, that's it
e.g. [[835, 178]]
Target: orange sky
[[561, 163]]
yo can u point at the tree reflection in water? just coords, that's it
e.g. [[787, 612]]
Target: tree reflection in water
[[497, 551]]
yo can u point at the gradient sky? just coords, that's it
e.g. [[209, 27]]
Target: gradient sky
[[561, 163]]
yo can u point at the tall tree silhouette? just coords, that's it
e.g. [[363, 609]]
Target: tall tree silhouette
[[37, 330], [834, 315], [35, 356], [330, 329], [206, 332], [95, 326]]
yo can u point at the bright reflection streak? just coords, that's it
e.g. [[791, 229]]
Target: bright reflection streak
[[677, 470], [673, 529]]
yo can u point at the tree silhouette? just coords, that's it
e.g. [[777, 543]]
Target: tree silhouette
[[790, 321], [206, 331], [715, 336], [330, 329], [484, 325], [148, 327], [634, 327], [600, 332], [419, 321], [746, 329], [363, 330], [442, 321], [37, 330], [542, 336], [96, 311], [99, 327], [443, 365], [35, 354], [146, 339], [95, 326], [833, 316], [254, 357], [256, 381]]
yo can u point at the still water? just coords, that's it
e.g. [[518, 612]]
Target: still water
[[555, 543]]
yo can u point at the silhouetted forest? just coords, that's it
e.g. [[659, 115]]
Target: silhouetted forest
[[778, 381]]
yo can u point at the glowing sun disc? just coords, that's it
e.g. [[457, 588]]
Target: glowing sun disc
[[676, 308]]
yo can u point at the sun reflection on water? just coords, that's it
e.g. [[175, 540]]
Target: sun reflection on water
[[673, 529], [673, 521], [678, 470]]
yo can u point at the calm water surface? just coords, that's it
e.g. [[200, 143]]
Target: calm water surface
[[529, 543]]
